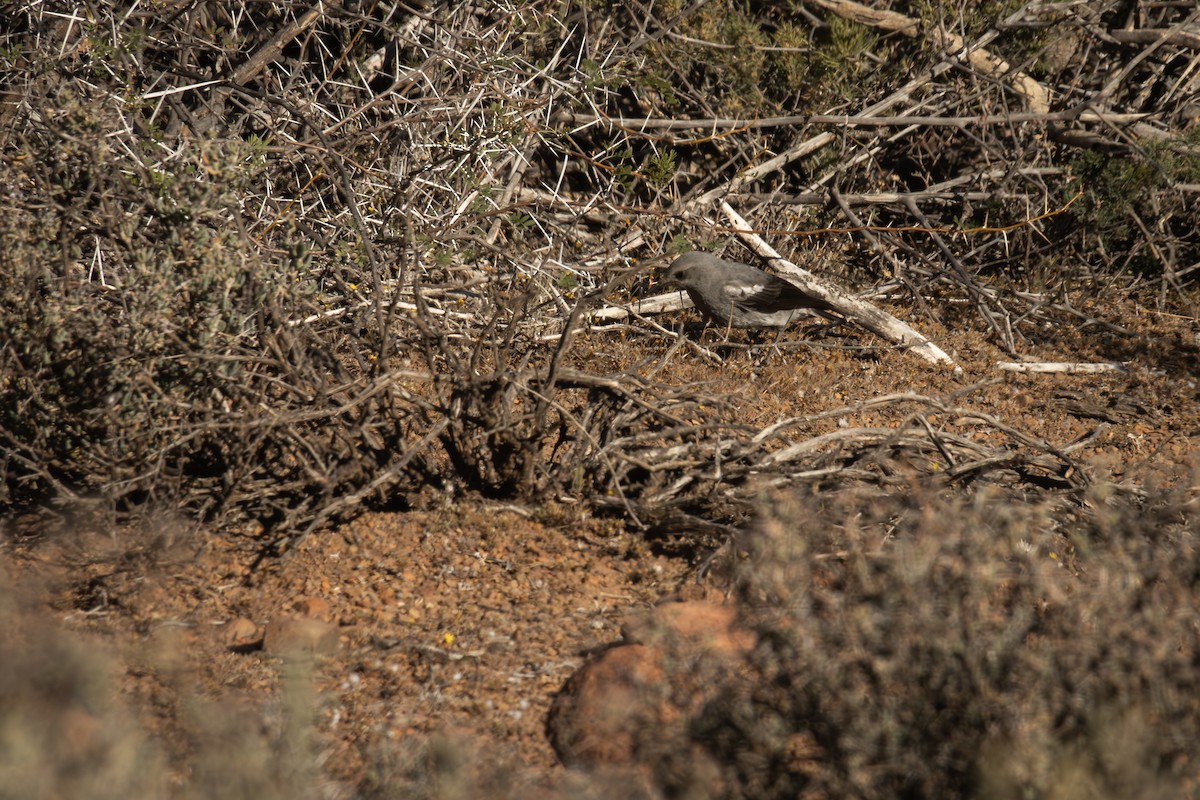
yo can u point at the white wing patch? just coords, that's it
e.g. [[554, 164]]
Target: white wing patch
[[736, 290]]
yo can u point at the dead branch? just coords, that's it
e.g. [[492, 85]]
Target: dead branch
[[1063, 367], [1034, 93], [870, 317], [865, 120]]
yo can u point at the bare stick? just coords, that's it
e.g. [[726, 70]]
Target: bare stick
[[873, 319], [265, 55], [1067, 367], [864, 120]]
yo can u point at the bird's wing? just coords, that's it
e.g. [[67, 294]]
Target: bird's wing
[[770, 294], [747, 293]]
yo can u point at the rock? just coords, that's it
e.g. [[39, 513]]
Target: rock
[[693, 625], [314, 608], [593, 720], [300, 636], [630, 705], [240, 632]]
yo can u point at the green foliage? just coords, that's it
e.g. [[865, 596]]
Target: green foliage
[[840, 62], [795, 63], [620, 160], [660, 86], [966, 18], [592, 75], [732, 71], [680, 245], [520, 221], [660, 168], [1120, 188]]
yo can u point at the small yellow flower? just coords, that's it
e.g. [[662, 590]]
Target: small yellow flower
[[448, 638]]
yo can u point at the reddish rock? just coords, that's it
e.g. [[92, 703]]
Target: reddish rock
[[240, 632], [629, 705], [300, 636], [314, 608], [595, 717], [693, 626]]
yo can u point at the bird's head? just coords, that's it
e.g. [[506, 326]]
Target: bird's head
[[682, 271]]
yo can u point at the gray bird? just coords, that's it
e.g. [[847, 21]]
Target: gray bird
[[739, 296]]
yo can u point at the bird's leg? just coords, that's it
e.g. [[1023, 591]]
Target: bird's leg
[[772, 348]]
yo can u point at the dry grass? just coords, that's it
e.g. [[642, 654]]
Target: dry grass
[[345, 246], [268, 265]]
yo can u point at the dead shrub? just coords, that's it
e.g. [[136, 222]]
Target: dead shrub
[[963, 649]]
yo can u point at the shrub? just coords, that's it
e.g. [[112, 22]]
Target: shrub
[[964, 651]]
